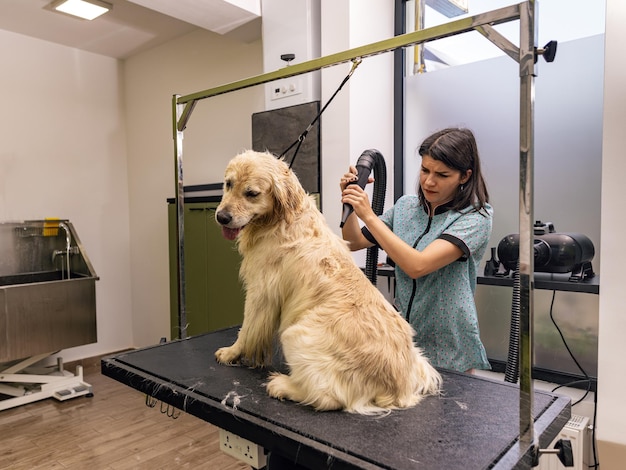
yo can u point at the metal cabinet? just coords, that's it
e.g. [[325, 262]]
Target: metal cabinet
[[214, 294]]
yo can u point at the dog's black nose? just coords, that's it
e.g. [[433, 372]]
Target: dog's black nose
[[223, 218]]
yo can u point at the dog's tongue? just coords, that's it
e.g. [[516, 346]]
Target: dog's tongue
[[230, 233]]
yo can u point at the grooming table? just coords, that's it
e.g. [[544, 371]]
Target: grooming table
[[474, 424]]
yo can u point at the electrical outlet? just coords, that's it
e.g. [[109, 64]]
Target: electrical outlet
[[285, 88], [242, 449]]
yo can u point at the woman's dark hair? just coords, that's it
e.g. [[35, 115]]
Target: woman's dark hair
[[456, 148]]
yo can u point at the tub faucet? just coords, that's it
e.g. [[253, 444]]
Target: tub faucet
[[67, 252]]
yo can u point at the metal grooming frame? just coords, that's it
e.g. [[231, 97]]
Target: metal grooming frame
[[525, 55]]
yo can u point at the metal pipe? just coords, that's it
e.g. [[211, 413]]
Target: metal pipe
[[68, 245], [398, 102], [178, 110], [526, 220], [419, 66]]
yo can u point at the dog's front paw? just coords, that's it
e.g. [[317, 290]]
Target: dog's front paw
[[228, 355]]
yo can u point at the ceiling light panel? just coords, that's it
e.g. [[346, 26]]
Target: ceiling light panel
[[86, 9]]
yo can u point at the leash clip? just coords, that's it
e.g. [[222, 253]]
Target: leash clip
[[355, 63]]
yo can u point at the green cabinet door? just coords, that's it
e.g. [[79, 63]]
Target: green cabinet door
[[214, 294]]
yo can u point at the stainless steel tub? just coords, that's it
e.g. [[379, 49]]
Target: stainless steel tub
[[47, 289]]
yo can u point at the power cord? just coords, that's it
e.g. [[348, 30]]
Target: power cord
[[587, 379]]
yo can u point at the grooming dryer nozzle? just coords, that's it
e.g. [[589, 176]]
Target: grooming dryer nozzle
[[364, 166]]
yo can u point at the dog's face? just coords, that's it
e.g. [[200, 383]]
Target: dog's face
[[257, 189], [246, 195]]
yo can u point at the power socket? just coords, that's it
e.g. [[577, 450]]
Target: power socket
[[242, 449], [285, 88]]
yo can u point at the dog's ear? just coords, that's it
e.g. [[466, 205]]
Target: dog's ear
[[288, 194]]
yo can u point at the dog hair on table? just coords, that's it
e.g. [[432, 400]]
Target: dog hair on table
[[345, 345]]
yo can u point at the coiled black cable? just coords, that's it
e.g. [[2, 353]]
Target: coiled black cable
[[511, 372]]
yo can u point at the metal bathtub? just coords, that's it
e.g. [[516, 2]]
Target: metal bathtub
[[47, 289]]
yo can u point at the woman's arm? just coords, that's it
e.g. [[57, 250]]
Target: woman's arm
[[351, 232], [414, 263]]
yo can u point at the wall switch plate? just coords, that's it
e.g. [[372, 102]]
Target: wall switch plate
[[285, 88]]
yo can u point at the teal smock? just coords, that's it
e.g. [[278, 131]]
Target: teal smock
[[440, 306]]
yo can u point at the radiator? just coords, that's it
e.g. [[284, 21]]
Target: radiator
[[577, 431]]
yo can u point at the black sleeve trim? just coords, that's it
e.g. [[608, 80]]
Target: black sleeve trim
[[458, 242], [367, 234]]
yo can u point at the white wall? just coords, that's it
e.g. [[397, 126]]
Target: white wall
[[361, 115], [63, 154], [219, 128], [290, 27], [612, 347]]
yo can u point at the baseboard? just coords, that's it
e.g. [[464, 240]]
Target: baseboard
[[90, 364]]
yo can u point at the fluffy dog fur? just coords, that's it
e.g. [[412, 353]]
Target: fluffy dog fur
[[346, 347]]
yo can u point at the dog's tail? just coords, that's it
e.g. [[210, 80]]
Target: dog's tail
[[428, 379], [424, 380]]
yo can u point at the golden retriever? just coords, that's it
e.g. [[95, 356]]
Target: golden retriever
[[345, 346]]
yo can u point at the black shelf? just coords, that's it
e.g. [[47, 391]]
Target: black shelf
[[544, 281], [548, 281]]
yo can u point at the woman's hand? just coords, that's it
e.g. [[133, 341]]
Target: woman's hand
[[354, 195], [351, 177], [357, 198], [348, 178]]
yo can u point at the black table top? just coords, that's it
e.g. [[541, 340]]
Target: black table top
[[474, 424]]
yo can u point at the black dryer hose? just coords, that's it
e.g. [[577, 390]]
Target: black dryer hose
[[370, 160]]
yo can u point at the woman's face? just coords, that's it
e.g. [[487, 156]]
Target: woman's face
[[439, 182]]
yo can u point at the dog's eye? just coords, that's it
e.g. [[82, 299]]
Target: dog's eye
[[252, 194], [228, 184]]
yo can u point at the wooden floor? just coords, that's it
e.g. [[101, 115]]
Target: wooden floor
[[113, 430]]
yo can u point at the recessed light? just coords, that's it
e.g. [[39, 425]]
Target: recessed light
[[86, 9]]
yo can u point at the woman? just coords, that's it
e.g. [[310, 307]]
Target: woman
[[437, 239]]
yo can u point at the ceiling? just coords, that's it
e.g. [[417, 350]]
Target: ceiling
[[132, 26]]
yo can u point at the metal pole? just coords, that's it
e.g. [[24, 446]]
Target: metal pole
[[398, 102], [419, 66], [177, 112], [526, 221]]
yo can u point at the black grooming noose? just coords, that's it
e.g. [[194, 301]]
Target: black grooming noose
[[301, 137]]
